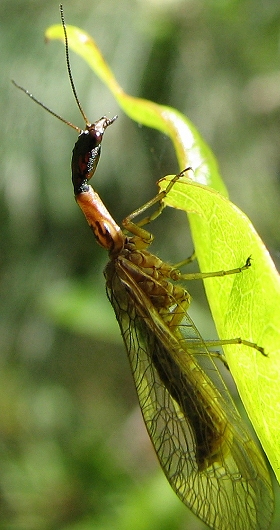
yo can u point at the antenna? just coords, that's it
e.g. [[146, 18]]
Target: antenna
[[69, 67], [88, 124], [47, 108]]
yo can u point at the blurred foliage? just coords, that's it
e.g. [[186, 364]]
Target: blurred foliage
[[74, 452]]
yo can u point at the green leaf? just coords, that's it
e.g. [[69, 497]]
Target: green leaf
[[245, 305]]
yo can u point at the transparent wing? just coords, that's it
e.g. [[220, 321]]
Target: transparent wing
[[202, 445]]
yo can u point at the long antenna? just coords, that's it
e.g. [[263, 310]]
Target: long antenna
[[47, 108], [69, 67], [87, 123]]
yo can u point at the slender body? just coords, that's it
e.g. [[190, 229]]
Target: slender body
[[202, 444]]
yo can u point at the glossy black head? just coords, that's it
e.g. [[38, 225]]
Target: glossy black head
[[86, 153]]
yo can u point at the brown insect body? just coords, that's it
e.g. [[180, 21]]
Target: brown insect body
[[203, 447]]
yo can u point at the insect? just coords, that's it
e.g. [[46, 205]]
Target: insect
[[203, 447]]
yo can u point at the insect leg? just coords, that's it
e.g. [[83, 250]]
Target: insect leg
[[182, 305], [186, 261], [135, 228], [238, 340], [177, 275], [175, 320]]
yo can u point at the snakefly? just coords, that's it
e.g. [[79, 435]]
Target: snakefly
[[203, 447]]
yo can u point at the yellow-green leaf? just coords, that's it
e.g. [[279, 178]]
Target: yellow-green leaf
[[243, 305]]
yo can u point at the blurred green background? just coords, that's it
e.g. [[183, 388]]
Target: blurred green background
[[74, 454]]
